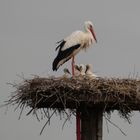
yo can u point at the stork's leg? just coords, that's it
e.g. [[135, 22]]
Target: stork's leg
[[78, 127], [72, 63]]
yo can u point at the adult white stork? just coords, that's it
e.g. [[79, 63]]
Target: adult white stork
[[72, 44]]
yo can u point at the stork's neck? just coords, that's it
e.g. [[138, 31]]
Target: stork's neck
[[89, 72], [88, 68], [87, 31]]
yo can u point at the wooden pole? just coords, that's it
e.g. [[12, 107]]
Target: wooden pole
[[91, 124], [78, 129]]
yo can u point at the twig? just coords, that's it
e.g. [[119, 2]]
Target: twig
[[47, 122], [22, 107], [68, 117], [115, 126], [29, 112]]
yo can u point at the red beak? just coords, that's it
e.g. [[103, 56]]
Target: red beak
[[93, 33]]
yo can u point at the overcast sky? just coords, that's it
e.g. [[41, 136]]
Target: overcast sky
[[29, 30]]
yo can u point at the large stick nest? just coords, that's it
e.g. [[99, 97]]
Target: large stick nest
[[78, 93]]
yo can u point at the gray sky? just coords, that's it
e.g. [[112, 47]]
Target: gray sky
[[29, 30]]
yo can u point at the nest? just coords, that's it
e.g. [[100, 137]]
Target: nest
[[78, 93]]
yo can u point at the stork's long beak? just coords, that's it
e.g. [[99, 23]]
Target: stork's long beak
[[93, 33]]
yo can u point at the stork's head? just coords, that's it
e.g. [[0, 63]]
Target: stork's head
[[89, 27], [88, 67], [82, 68], [66, 71], [77, 67]]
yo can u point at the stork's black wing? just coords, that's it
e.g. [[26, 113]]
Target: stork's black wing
[[63, 56], [61, 44]]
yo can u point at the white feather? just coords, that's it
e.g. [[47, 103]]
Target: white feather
[[89, 72], [78, 37]]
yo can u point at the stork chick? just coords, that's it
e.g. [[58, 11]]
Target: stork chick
[[76, 70], [89, 72], [66, 73], [82, 69]]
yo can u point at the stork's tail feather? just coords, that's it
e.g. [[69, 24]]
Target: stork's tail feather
[[58, 61]]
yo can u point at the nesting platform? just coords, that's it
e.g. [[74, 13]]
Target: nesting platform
[[78, 93]]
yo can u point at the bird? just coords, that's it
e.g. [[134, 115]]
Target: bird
[[82, 69], [71, 45], [89, 72], [76, 70], [66, 73]]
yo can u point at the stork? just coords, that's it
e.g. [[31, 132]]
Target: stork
[[66, 73], [72, 44], [82, 69], [76, 70], [69, 47], [89, 72]]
